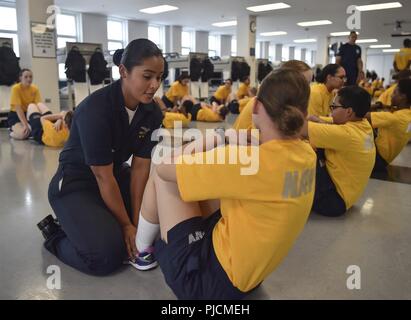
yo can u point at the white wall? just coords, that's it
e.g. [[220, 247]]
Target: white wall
[[137, 30], [201, 41], [94, 29], [225, 45], [382, 64]]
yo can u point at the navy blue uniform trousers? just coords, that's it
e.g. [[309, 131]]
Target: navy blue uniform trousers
[[91, 240]]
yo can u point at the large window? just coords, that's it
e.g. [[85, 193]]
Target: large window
[[8, 26], [116, 35], [67, 29], [285, 54], [156, 34], [187, 42], [213, 46], [233, 47]]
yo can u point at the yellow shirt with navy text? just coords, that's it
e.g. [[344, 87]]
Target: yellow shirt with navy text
[[23, 97], [320, 100], [394, 132], [262, 214], [205, 114], [402, 58], [242, 91], [245, 118], [350, 155], [171, 117], [53, 138], [177, 92], [386, 96], [222, 93]]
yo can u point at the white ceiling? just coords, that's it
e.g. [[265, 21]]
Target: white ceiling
[[200, 14]]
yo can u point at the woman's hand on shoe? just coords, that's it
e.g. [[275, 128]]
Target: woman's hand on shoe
[[129, 234]]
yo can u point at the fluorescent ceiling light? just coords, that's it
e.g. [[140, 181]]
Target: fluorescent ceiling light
[[158, 9], [305, 40], [225, 24], [367, 40], [379, 6], [314, 23], [269, 7], [380, 46], [341, 34], [391, 50], [274, 33]]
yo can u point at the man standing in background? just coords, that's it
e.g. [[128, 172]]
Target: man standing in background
[[402, 59], [349, 57]]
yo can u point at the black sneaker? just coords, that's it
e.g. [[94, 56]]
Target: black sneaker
[[48, 226]]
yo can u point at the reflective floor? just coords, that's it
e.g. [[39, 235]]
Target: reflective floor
[[375, 236]]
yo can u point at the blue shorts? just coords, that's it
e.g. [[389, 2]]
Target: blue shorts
[[189, 263]]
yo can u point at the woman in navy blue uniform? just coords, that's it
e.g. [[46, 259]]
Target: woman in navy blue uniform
[[95, 194]]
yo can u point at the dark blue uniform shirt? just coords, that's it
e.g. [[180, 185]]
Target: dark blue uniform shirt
[[101, 134], [349, 56]]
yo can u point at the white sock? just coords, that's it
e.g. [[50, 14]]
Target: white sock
[[146, 234]]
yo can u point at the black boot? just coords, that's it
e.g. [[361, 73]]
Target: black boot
[[48, 226]]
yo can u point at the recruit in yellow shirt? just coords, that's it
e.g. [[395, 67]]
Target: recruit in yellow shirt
[[242, 91], [207, 115], [402, 58], [53, 138], [23, 96], [245, 118], [170, 117], [262, 214], [177, 92], [320, 100], [386, 97], [243, 102], [222, 93], [350, 155], [394, 132]]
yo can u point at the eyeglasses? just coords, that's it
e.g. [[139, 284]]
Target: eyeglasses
[[333, 106]]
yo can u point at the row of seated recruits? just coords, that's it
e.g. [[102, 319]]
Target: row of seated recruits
[[344, 142], [178, 106], [30, 117]]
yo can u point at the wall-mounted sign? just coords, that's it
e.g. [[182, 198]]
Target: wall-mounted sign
[[43, 41]]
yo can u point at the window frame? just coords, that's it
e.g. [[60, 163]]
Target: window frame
[[11, 33], [191, 47], [162, 41], [78, 32]]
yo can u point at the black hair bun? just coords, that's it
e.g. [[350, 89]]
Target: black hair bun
[[118, 54]]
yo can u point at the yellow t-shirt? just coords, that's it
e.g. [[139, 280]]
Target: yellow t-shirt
[[350, 155], [170, 117], [53, 138], [262, 214], [22, 96], [394, 132], [243, 102], [386, 96], [242, 91], [320, 100], [402, 58], [222, 93], [208, 115], [177, 92], [245, 118]]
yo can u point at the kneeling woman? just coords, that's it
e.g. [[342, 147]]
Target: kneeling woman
[[212, 252], [95, 195]]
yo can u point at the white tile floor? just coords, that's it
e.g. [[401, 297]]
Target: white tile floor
[[375, 235]]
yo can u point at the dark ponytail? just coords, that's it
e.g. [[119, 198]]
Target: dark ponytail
[[285, 94], [118, 54], [137, 51], [329, 70]]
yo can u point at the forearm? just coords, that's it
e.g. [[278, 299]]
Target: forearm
[[52, 117], [110, 192], [360, 65], [21, 115], [138, 183]]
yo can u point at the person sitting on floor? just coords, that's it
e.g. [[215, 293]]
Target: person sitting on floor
[[394, 127], [345, 152]]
